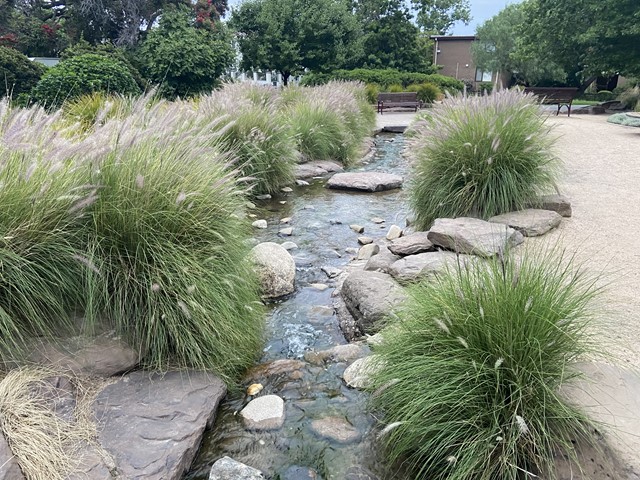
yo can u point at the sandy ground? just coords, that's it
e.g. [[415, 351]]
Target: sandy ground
[[602, 178]]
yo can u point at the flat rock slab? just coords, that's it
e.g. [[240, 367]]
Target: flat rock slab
[[371, 296], [473, 236], [316, 169], [411, 244], [275, 267], [264, 413], [336, 429], [556, 202], [152, 424], [9, 468], [424, 265], [530, 222], [365, 181], [229, 469]]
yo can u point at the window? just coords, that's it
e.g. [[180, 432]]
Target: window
[[483, 76]]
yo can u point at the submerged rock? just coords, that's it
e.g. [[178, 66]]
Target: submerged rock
[[229, 469], [337, 429], [275, 268]]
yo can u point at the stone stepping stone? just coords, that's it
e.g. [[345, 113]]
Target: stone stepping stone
[[530, 222], [316, 169], [264, 413], [365, 181], [411, 244], [556, 202], [229, 469], [424, 265], [336, 429], [473, 236]]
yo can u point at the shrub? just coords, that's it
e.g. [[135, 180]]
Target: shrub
[[427, 92], [314, 143], [93, 108], [18, 74], [469, 376], [83, 75], [485, 87], [395, 88], [630, 98], [624, 119], [481, 156], [371, 91]]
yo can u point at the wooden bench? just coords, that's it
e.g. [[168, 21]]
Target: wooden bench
[[562, 96], [403, 99]]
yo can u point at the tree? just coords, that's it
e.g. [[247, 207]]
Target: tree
[[291, 35], [438, 16], [183, 59], [500, 48]]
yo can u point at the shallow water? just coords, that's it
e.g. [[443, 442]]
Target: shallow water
[[305, 322]]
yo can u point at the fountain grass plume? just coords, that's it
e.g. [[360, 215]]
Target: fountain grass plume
[[480, 156], [470, 373]]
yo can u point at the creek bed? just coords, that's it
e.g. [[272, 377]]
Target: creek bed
[[305, 322]]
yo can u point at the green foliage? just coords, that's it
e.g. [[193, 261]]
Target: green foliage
[[480, 156], [630, 97], [182, 59], [92, 109], [624, 119], [470, 373], [18, 74], [291, 35], [438, 16], [427, 92], [485, 87], [371, 91], [384, 78], [395, 88], [82, 75]]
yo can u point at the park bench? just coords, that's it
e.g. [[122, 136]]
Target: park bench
[[562, 96], [403, 99]]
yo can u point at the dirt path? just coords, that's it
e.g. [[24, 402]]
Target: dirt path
[[602, 179]]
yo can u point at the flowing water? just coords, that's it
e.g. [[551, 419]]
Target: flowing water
[[305, 322]]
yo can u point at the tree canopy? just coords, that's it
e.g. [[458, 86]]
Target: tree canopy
[[438, 16]]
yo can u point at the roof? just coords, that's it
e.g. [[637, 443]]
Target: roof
[[441, 38]]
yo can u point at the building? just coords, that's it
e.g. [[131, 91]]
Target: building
[[453, 54]]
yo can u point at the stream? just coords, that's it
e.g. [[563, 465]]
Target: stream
[[303, 323]]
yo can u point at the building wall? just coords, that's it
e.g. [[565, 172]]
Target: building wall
[[453, 55]]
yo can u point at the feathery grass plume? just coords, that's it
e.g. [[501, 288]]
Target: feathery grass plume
[[254, 132], [488, 377], [95, 108], [480, 156], [174, 278], [44, 444]]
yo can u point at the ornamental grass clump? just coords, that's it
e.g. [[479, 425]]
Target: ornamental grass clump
[[480, 156], [469, 375]]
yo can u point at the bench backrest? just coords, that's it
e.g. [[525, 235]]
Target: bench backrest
[[398, 97], [553, 94]]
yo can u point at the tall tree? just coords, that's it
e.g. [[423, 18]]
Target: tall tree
[[438, 16], [291, 35]]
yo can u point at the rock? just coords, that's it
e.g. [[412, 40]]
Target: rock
[[250, 205], [289, 246], [366, 181], [357, 228], [375, 340], [331, 272], [348, 325], [365, 240], [262, 224], [282, 202], [266, 196], [264, 413], [275, 268], [299, 473], [228, 469], [371, 296], [92, 465], [287, 232], [302, 183], [337, 429], [423, 265], [358, 472], [377, 220], [357, 374], [411, 244], [340, 353], [530, 222], [316, 169], [381, 261], [286, 189], [351, 250], [557, 203], [319, 286], [472, 236], [394, 232], [152, 424], [283, 367], [9, 467], [367, 251], [103, 355], [285, 220]]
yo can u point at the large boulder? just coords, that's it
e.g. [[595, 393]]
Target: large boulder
[[556, 202], [316, 169], [152, 424], [9, 468], [473, 236], [371, 296], [411, 244], [530, 222], [424, 265], [229, 469], [365, 181], [275, 268]]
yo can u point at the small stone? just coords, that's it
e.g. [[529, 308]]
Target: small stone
[[351, 250], [394, 232], [331, 272], [302, 183], [377, 220], [229, 469], [357, 228], [365, 240], [411, 244], [337, 429], [264, 413], [308, 207], [319, 286], [262, 224], [286, 189], [254, 389], [250, 205], [266, 196], [335, 222], [282, 202], [252, 215], [289, 246], [368, 251], [285, 220], [286, 231]]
